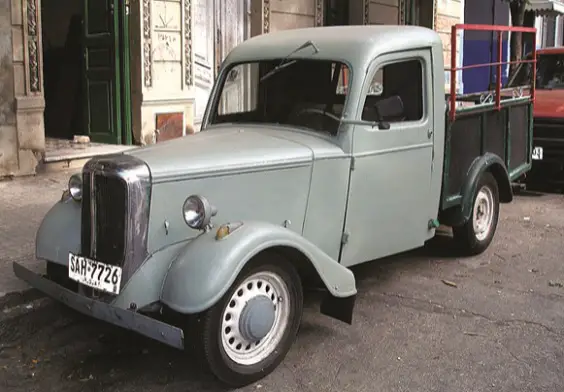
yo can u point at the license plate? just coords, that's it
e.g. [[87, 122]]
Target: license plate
[[537, 153], [95, 274]]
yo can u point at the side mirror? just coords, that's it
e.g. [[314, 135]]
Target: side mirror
[[391, 107]]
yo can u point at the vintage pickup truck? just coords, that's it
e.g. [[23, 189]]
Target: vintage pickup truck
[[343, 153]]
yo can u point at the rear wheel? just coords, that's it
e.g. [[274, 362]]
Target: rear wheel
[[477, 233], [249, 332]]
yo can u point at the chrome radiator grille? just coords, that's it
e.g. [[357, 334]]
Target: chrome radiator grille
[[115, 211]]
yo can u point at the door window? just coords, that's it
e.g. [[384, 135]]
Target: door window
[[395, 93]]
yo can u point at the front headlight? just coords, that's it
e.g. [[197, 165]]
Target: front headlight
[[75, 187], [197, 212]]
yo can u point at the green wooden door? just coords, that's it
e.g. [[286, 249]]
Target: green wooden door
[[125, 76], [102, 87]]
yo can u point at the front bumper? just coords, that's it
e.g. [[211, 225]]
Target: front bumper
[[549, 134], [147, 326]]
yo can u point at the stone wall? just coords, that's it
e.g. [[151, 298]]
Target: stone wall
[[449, 13], [274, 15], [377, 12], [22, 137], [162, 67], [293, 14], [8, 130]]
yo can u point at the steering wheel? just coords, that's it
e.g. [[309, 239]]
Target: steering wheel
[[317, 112]]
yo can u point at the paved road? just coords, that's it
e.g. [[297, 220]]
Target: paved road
[[23, 204], [500, 329]]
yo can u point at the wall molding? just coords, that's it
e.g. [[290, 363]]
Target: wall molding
[[33, 30], [266, 16], [319, 13], [147, 45], [188, 66], [436, 13], [402, 4]]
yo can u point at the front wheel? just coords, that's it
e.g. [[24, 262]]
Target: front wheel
[[249, 332], [477, 233]]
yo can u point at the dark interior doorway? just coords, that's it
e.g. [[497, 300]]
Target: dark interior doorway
[[420, 13], [336, 13], [62, 67], [86, 70]]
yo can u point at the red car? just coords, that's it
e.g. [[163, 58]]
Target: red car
[[548, 130]]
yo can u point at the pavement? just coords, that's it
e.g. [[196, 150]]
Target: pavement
[[427, 320], [23, 204]]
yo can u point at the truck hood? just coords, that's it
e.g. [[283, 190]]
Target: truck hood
[[230, 148], [549, 103]]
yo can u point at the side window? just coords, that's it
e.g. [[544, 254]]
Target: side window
[[395, 93]]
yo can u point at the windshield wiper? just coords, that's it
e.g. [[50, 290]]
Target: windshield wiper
[[285, 63]]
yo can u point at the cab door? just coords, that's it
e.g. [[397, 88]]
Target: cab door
[[388, 209], [101, 71]]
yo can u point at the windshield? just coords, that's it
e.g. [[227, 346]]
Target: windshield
[[550, 73], [304, 93]]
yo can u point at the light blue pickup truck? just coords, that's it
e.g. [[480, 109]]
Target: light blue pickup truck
[[343, 153]]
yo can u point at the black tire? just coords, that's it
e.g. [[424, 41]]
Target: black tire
[[210, 325], [467, 240]]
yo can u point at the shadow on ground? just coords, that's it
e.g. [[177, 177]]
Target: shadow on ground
[[42, 339]]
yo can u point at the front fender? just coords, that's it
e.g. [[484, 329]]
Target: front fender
[[205, 268], [487, 162], [144, 286], [59, 232]]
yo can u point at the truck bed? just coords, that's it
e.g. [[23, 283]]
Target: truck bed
[[479, 129], [498, 121]]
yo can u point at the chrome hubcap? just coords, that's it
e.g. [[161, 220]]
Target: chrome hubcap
[[483, 213], [255, 318]]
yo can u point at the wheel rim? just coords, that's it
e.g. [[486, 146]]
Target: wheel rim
[[483, 213], [261, 291]]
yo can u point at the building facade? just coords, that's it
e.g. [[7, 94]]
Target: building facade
[[549, 21], [480, 47], [141, 71]]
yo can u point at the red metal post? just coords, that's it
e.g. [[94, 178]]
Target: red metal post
[[453, 71], [500, 61], [479, 27], [534, 81]]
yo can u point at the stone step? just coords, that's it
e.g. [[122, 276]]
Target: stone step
[[73, 154]]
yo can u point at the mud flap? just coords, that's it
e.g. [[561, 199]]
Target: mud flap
[[338, 308]]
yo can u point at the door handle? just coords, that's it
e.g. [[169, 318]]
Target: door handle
[[429, 133]]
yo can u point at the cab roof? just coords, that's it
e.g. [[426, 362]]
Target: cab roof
[[357, 45]]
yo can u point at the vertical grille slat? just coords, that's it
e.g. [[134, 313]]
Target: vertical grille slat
[[110, 195], [86, 218]]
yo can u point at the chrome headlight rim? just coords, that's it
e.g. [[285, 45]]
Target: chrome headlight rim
[[197, 212], [75, 187]]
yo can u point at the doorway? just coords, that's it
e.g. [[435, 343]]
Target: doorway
[[86, 70], [420, 13], [336, 13]]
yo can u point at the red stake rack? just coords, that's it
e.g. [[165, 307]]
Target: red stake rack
[[490, 28]]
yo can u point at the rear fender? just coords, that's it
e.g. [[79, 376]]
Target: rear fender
[[487, 162], [205, 268], [59, 232]]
